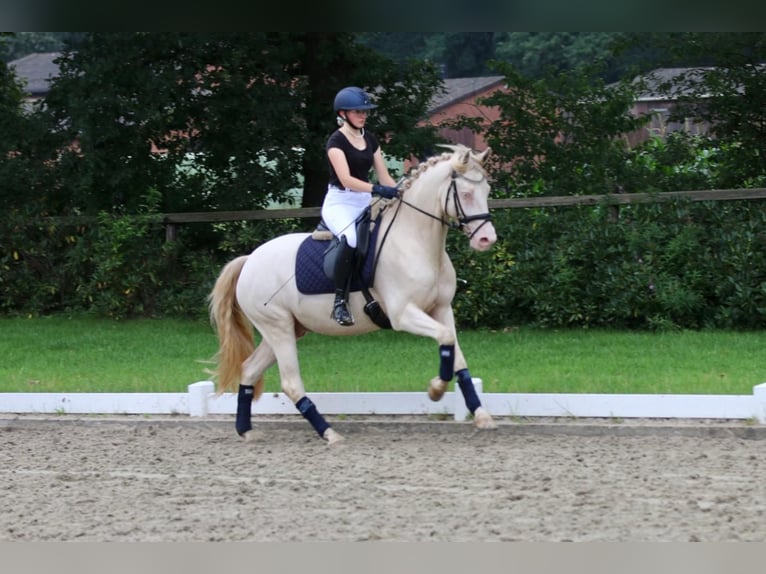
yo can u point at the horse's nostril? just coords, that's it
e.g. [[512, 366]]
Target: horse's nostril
[[484, 242]]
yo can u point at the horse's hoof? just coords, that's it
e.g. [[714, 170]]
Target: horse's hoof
[[332, 436], [436, 389], [248, 436], [483, 420]]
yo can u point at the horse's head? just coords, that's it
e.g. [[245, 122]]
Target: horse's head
[[462, 192], [467, 197]]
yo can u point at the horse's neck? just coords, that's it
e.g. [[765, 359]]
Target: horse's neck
[[420, 221]]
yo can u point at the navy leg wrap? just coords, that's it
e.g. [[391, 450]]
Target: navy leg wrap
[[469, 391], [446, 362], [309, 411], [244, 409]]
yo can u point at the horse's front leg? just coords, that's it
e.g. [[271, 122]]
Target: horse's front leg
[[440, 325]]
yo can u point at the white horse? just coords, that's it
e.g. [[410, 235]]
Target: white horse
[[414, 284]]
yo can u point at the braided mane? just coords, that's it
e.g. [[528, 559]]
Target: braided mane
[[453, 155]]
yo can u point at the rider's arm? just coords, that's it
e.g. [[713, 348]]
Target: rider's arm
[[381, 170]]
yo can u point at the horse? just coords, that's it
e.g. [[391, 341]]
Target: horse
[[414, 285]]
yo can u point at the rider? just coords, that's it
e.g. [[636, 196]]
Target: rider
[[352, 153]]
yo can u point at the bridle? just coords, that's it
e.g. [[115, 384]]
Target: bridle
[[461, 218]]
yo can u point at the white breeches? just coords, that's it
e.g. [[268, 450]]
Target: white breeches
[[340, 209]]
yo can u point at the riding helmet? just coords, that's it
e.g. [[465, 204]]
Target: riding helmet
[[353, 98]]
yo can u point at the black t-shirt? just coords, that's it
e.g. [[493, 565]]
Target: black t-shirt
[[359, 160]]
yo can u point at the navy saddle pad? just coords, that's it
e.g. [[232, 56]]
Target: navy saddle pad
[[309, 267]]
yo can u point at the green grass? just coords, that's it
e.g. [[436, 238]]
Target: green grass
[[60, 354]]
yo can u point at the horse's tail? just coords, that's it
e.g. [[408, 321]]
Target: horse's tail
[[235, 333]]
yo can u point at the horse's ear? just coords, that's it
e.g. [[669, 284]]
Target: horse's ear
[[483, 155], [465, 156]]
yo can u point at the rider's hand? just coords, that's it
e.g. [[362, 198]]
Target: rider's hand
[[385, 191]]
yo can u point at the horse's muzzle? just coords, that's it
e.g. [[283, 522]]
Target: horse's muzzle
[[483, 237]]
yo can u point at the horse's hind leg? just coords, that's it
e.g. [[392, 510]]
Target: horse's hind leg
[[251, 385], [285, 348]]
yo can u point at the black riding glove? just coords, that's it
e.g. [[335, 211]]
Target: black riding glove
[[385, 191]]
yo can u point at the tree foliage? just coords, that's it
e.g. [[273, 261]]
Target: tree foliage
[[14, 45], [537, 54], [560, 135], [27, 152], [240, 118], [532, 54], [210, 103], [402, 92], [727, 89]]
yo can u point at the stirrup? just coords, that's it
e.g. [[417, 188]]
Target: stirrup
[[341, 314]]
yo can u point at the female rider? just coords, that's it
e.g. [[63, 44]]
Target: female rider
[[351, 153]]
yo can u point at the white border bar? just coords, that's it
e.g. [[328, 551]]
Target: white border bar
[[201, 400]]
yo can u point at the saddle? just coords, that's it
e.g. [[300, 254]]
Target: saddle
[[315, 261]]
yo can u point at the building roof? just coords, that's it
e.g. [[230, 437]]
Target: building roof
[[36, 71], [458, 89], [656, 79]]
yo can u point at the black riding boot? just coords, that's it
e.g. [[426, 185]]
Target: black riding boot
[[344, 264]]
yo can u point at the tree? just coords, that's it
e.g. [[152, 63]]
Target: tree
[[238, 117], [561, 134], [402, 91], [466, 54], [203, 118], [400, 46], [10, 108], [455, 54], [11, 128], [16, 45], [725, 87], [26, 151], [533, 54], [536, 54]]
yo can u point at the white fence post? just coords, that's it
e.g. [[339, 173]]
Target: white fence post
[[759, 392], [198, 395], [461, 411]]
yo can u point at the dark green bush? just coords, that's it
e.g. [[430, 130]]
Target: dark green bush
[[659, 266], [39, 274], [118, 266]]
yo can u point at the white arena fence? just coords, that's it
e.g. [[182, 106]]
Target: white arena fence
[[201, 400]]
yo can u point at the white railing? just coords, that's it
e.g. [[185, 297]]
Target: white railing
[[201, 400]]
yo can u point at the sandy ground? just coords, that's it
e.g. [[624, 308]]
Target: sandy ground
[[67, 478]]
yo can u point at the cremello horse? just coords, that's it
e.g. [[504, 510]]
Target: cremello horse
[[414, 284]]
